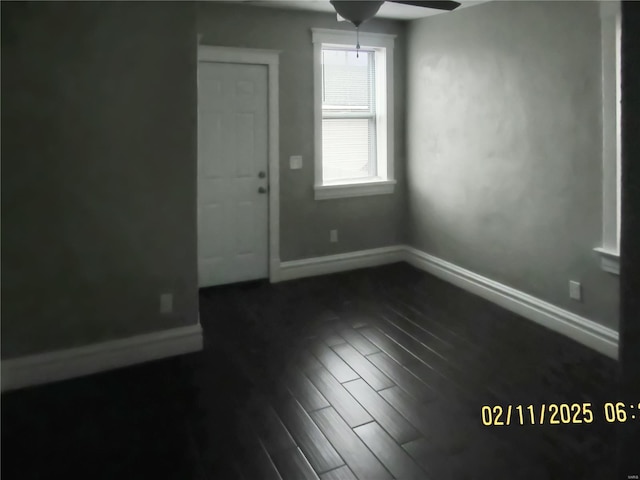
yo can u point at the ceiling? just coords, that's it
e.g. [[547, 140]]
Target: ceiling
[[388, 10]]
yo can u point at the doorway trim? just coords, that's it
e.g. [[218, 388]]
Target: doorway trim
[[270, 58]]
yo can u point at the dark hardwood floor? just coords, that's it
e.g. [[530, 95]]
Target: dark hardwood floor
[[372, 374]]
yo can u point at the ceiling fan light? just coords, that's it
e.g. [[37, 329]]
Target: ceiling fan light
[[357, 12]]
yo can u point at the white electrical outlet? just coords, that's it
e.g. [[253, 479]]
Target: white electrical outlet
[[333, 236], [166, 303], [575, 290]]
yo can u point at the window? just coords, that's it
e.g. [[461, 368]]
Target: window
[[353, 114], [609, 251], [348, 114]]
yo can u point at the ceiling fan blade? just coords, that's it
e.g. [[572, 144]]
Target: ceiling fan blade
[[437, 4]]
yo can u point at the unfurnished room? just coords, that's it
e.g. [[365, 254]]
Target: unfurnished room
[[291, 240]]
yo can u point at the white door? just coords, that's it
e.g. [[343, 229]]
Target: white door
[[232, 173]]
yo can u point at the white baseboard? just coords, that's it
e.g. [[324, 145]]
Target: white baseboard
[[75, 362], [341, 262], [580, 329]]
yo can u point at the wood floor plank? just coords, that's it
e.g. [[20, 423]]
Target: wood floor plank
[[357, 341], [315, 446], [465, 352], [354, 317], [460, 356], [434, 322], [327, 316], [333, 339], [363, 367], [333, 363], [305, 391], [423, 352], [437, 421], [429, 457], [254, 460], [402, 377], [274, 435], [308, 361], [462, 380], [392, 456], [359, 324], [293, 465], [355, 453], [236, 472], [425, 336], [342, 473], [339, 398], [481, 331], [411, 409], [431, 377], [382, 412], [385, 344]]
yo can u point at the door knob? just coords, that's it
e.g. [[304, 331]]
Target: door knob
[[262, 175], [262, 190]]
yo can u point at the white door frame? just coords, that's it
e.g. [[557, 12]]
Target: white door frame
[[271, 59]]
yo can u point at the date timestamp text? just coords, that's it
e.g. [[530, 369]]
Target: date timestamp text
[[558, 414]]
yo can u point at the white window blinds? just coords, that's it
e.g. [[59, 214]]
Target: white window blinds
[[348, 114]]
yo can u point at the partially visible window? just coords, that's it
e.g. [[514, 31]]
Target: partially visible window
[[611, 140], [354, 114]]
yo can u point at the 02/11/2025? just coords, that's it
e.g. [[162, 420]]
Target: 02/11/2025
[[546, 414]]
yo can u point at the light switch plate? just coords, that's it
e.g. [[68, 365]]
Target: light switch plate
[[295, 162], [575, 290], [166, 303]]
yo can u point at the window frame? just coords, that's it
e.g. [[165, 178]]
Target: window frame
[[384, 181], [609, 250]]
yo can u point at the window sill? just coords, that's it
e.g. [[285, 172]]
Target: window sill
[[609, 260], [360, 189]]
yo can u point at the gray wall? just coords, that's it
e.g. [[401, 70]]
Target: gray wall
[[504, 147], [98, 171], [366, 222], [99, 107]]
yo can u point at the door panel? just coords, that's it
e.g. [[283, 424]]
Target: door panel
[[245, 144], [232, 151]]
